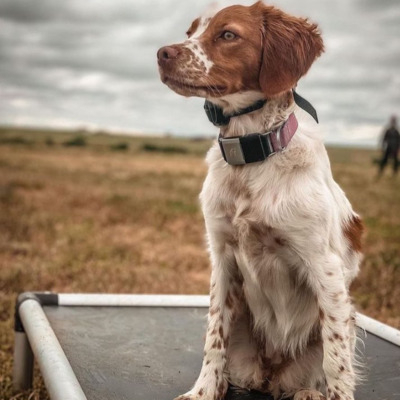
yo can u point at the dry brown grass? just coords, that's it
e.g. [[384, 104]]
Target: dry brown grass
[[92, 220]]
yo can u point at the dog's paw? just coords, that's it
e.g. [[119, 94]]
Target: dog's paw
[[203, 394], [309, 394], [193, 395], [187, 396]]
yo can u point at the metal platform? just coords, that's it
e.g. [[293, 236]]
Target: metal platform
[[148, 348]]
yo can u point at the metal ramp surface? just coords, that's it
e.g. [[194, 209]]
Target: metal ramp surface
[[150, 348]]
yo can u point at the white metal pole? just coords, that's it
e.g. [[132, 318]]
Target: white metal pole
[[379, 329], [138, 300], [23, 362], [57, 373]]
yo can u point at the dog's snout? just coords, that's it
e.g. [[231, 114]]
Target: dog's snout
[[167, 53]]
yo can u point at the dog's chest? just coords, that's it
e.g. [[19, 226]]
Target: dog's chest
[[278, 299]]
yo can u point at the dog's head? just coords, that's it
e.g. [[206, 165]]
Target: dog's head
[[256, 48]]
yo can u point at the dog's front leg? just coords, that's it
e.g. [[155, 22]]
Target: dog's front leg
[[337, 329], [224, 294]]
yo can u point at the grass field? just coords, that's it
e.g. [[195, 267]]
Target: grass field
[[115, 214]]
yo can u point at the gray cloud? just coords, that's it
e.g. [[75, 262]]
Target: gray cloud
[[93, 63]]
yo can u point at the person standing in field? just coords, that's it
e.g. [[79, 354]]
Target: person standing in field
[[390, 146]]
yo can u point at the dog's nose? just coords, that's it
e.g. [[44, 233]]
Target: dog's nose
[[167, 53]]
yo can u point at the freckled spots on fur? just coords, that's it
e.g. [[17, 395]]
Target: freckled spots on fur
[[207, 362], [229, 300], [338, 337], [333, 319], [341, 369], [321, 315], [329, 273], [216, 372], [201, 391], [220, 390], [221, 331], [219, 345], [279, 241], [335, 353]]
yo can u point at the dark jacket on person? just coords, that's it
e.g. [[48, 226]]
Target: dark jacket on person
[[391, 139]]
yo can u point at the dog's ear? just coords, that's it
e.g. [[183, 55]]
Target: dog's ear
[[290, 46]]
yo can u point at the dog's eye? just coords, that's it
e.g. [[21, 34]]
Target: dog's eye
[[228, 35]]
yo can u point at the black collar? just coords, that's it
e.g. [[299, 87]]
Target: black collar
[[217, 117], [255, 147]]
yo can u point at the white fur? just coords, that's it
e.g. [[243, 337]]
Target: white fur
[[237, 101], [194, 45]]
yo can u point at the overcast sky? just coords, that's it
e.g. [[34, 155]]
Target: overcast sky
[[93, 63]]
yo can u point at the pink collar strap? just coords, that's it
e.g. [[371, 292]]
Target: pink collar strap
[[257, 147]]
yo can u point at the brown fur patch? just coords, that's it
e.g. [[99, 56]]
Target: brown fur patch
[[338, 337], [353, 231], [279, 241], [290, 46], [229, 300], [193, 27], [221, 331]]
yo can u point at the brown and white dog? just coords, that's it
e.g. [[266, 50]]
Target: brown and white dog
[[284, 240]]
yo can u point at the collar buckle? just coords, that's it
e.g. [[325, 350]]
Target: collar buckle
[[232, 151], [269, 142]]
